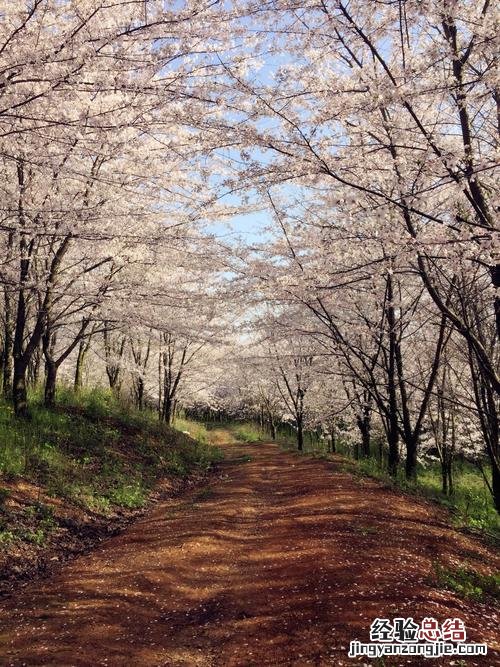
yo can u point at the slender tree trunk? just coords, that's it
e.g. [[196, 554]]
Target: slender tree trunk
[[19, 394], [80, 360], [393, 459], [140, 393], [365, 443], [392, 427], [33, 371], [167, 410], [446, 476], [495, 486], [300, 435], [497, 305], [364, 425], [7, 349], [50, 383]]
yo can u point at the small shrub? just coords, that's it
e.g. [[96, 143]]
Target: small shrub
[[6, 536], [132, 495], [37, 536]]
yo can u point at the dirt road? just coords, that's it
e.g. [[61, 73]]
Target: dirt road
[[281, 561]]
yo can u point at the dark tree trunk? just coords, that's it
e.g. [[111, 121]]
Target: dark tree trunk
[[364, 425], [19, 395], [450, 479], [7, 350], [392, 418], [393, 458], [495, 486], [447, 473], [365, 442], [444, 478], [167, 410], [50, 383], [140, 393], [411, 458], [300, 435]]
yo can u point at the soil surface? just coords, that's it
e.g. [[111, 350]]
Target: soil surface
[[73, 531], [281, 560]]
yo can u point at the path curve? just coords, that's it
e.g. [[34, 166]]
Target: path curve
[[281, 561]]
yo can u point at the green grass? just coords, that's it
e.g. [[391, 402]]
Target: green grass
[[471, 501], [196, 430], [246, 432], [467, 583], [241, 431], [95, 451]]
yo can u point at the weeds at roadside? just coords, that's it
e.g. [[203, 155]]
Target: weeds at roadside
[[468, 583]]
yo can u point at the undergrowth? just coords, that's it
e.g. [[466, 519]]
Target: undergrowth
[[468, 583], [470, 502], [95, 451]]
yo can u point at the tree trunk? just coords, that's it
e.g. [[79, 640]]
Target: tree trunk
[[140, 393], [495, 486], [450, 479], [364, 425], [444, 478], [19, 395], [50, 383], [167, 410], [393, 459], [80, 360], [411, 459], [7, 350], [33, 371], [300, 435], [392, 418], [365, 443]]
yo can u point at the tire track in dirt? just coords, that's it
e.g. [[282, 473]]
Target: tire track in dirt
[[282, 561]]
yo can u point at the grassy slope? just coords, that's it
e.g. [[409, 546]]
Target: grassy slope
[[87, 462]]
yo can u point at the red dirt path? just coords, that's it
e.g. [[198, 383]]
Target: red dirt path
[[282, 562]]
